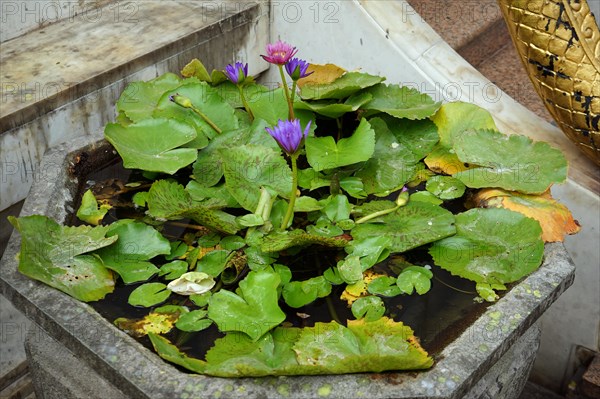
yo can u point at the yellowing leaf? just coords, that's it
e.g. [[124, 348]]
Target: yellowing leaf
[[322, 74], [359, 289], [156, 323], [555, 218]]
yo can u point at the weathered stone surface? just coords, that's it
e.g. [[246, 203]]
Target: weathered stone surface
[[139, 373]]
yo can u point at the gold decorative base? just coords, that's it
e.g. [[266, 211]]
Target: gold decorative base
[[559, 44]]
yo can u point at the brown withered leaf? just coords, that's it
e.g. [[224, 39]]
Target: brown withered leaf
[[322, 74], [555, 218]]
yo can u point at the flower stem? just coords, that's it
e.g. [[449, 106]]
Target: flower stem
[[286, 91], [290, 210], [248, 110], [207, 119], [293, 94], [376, 215]]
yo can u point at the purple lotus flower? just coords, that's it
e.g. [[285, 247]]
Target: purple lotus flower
[[279, 53], [289, 135], [237, 73], [296, 68]]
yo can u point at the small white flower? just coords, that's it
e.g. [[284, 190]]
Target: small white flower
[[192, 283], [395, 145]]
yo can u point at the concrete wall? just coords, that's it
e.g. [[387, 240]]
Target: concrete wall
[[20, 17]]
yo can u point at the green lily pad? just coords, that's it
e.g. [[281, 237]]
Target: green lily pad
[[445, 187], [247, 168], [130, 255], [452, 119], [370, 308], [342, 87], [493, 246], [216, 197], [425, 196], [169, 200], [149, 294], [393, 163], [208, 168], [336, 207], [333, 109], [171, 353], [152, 144], [324, 153], [280, 240], [193, 321], [254, 311], [350, 269], [362, 346], [208, 101], [139, 99], [89, 211], [401, 102], [384, 286], [514, 163], [54, 255], [414, 278], [173, 270], [409, 227], [300, 293], [371, 250], [214, 262]]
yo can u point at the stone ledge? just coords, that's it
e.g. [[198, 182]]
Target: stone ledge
[[50, 67], [86, 107]]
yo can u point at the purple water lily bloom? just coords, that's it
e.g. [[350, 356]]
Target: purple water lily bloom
[[279, 53], [237, 73], [296, 68], [289, 135]]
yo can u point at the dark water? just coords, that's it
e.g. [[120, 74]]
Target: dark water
[[437, 317]]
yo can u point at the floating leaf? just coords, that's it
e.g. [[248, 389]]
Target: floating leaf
[[401, 102], [300, 293], [247, 168], [272, 106], [173, 270], [393, 162], [151, 144], [494, 246], [384, 286], [555, 219], [130, 255], [154, 322], [201, 300], [487, 291], [425, 196], [414, 278], [89, 211], [149, 294], [138, 100], [371, 250], [410, 226], [342, 87], [324, 153], [445, 187], [193, 321], [171, 353], [208, 168], [280, 240], [362, 346], [513, 163], [452, 119], [216, 197], [336, 207], [307, 204], [169, 200], [254, 311], [333, 109], [350, 269], [54, 255], [369, 307], [206, 99], [214, 262]]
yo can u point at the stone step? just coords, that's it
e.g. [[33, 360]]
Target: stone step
[[62, 80]]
